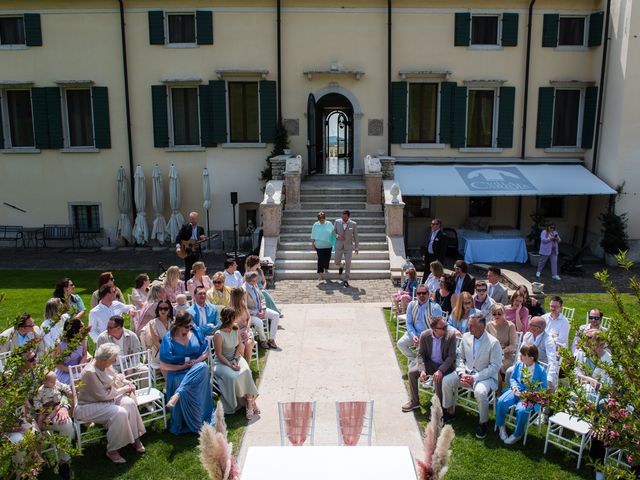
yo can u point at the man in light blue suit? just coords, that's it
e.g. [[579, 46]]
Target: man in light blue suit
[[205, 315]]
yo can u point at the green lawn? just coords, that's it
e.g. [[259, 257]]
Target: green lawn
[[167, 456], [490, 459]]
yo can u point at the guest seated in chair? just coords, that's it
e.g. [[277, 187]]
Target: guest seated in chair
[[546, 349], [219, 295], [25, 330], [536, 308], [140, 291], [517, 313], [479, 359], [173, 285], [199, 279], [205, 316], [497, 292], [260, 313], [527, 374], [436, 270], [183, 352], [437, 358], [505, 332], [232, 277], [243, 320], [232, 370], [402, 298], [148, 310], [444, 296], [252, 264], [106, 278], [464, 282], [595, 323], [419, 315], [104, 397], [459, 318], [482, 301]]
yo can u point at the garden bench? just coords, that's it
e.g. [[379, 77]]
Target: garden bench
[[58, 232], [12, 233]]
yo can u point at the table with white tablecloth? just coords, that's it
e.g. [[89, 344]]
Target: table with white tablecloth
[[494, 247], [322, 463]]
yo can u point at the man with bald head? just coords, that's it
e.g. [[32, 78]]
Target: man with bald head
[[190, 231]]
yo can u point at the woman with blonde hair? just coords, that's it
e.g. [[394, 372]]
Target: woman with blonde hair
[[518, 313], [436, 272], [173, 285], [505, 332], [219, 295], [462, 313], [199, 278], [252, 264], [402, 298], [148, 310], [238, 301]]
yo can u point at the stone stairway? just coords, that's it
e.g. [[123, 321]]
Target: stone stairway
[[331, 194]]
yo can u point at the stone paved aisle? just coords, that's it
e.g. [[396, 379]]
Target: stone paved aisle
[[329, 353], [310, 291]]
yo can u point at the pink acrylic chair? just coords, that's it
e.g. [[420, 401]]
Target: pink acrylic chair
[[297, 422], [355, 420]]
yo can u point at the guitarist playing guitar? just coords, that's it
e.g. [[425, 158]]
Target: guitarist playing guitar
[[190, 231]]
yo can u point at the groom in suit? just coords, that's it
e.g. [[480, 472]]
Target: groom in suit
[[437, 358], [190, 231], [346, 232], [479, 361]]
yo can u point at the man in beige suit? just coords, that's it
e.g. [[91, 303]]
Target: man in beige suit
[[346, 232], [479, 360], [25, 331]]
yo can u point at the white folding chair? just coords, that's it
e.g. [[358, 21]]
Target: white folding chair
[[255, 356], [135, 368], [354, 421], [467, 400], [297, 422], [604, 322], [93, 434], [3, 359], [215, 388], [568, 312], [616, 456]]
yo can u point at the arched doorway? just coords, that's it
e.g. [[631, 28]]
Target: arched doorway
[[331, 135]]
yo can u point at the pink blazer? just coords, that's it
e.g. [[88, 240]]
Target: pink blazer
[[548, 246]]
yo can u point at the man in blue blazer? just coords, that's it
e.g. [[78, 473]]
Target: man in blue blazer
[[205, 314]]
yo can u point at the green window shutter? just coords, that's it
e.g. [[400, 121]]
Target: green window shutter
[[32, 29], [545, 117], [446, 110], [463, 29], [219, 110], [509, 29], [268, 111], [204, 27], [156, 27], [550, 30], [2, 134], [589, 116], [398, 112], [459, 118], [506, 110], [160, 116], [100, 99], [54, 117], [40, 118], [206, 112], [595, 29]]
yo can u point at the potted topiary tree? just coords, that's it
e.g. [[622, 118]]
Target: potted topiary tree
[[614, 235], [538, 219], [280, 147]]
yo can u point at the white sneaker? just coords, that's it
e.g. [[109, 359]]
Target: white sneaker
[[537, 274], [511, 440], [556, 277], [503, 433]]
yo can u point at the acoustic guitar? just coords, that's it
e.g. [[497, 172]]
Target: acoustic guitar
[[188, 247]]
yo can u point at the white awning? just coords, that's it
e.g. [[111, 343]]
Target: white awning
[[504, 180]]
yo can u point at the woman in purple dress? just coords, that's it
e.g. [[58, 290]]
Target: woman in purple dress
[[78, 355]]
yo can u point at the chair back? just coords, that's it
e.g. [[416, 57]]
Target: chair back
[[604, 322], [355, 420], [568, 312], [75, 371], [297, 422], [3, 359], [135, 368]]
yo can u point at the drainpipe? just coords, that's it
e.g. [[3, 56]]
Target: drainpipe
[[127, 103], [389, 77], [279, 59], [527, 67], [596, 141]]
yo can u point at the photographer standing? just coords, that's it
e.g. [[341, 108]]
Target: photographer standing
[[549, 240]]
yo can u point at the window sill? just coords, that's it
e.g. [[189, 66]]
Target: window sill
[[80, 150], [20, 150], [480, 150], [422, 145], [564, 150], [181, 45], [244, 145], [485, 47], [13, 47], [185, 148], [571, 48]]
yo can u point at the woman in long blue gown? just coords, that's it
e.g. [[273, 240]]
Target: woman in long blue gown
[[182, 353]]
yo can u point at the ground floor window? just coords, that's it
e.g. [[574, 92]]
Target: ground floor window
[[480, 207], [86, 218]]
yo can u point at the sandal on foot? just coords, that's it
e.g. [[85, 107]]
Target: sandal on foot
[[250, 413], [115, 457]]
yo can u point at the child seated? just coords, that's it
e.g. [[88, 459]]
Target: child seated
[[181, 303], [50, 397]]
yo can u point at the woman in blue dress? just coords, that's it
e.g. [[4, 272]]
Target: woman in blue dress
[[183, 352]]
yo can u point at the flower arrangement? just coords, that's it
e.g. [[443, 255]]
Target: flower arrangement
[[437, 441], [215, 451]]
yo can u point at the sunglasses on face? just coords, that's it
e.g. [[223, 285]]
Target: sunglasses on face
[[497, 314], [481, 290], [594, 319], [163, 309], [217, 282]]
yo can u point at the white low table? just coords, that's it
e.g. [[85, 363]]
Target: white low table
[[322, 463]]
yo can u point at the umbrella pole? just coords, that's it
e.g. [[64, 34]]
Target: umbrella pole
[[208, 232], [235, 238]]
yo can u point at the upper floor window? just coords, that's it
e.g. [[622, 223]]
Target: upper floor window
[[17, 119], [484, 29], [244, 112], [77, 118], [423, 113], [181, 28], [567, 125], [12, 31], [184, 116], [481, 118], [491, 30], [572, 31]]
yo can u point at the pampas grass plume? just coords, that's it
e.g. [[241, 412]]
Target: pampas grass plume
[[209, 454]]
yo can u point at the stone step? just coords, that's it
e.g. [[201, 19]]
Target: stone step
[[331, 213], [305, 245], [311, 254], [299, 237], [311, 274], [322, 196], [332, 204], [306, 229], [357, 263], [309, 221]]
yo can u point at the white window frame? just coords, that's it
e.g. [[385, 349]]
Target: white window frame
[[494, 125], [230, 144], [6, 126], [585, 36], [580, 118], [65, 121], [484, 46], [70, 206], [438, 143], [9, 46], [167, 41], [172, 143]]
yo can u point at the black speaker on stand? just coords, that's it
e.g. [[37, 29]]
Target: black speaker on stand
[[234, 202]]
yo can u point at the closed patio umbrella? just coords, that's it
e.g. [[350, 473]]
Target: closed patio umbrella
[[123, 229], [206, 196], [176, 220], [159, 231], [140, 229]]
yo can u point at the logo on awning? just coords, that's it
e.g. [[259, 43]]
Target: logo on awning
[[494, 177]]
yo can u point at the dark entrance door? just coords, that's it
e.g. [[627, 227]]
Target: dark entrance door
[[334, 135], [311, 133]]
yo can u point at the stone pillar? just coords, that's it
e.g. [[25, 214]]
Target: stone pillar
[[293, 177], [278, 164], [387, 167], [373, 182], [393, 209], [271, 208]]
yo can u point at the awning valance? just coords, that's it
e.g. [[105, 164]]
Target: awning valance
[[504, 180]]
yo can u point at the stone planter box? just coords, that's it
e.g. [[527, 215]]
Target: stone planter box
[[534, 258]]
